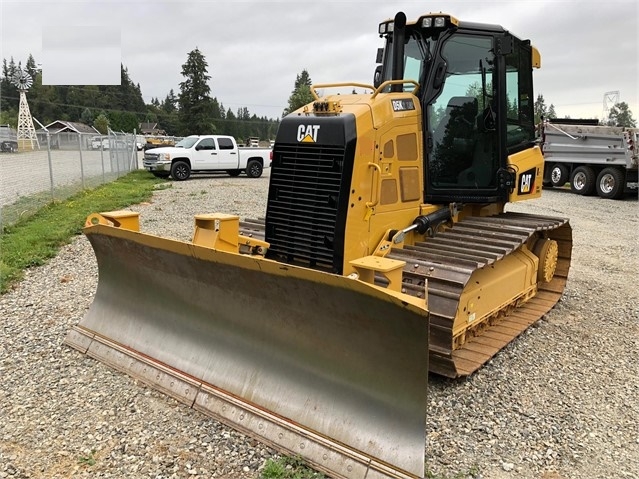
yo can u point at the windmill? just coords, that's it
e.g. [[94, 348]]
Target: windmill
[[26, 131], [611, 98]]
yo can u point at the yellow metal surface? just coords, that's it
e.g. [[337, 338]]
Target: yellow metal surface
[[536, 58], [527, 187], [494, 287], [391, 269], [129, 220], [547, 251]]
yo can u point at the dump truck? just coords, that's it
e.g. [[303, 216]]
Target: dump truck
[[593, 158], [385, 252]]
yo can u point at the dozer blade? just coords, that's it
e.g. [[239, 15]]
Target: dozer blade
[[314, 364]]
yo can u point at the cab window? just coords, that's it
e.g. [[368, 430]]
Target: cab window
[[225, 143], [206, 144]]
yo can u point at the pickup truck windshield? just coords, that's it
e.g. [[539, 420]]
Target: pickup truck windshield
[[186, 143]]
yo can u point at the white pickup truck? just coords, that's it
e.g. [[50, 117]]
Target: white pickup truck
[[206, 154]]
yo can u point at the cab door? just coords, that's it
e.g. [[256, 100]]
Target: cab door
[[227, 153], [206, 155]]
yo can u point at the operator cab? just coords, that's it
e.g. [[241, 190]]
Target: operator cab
[[476, 93]]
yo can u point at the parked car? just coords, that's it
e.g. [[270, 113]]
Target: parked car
[[8, 139], [99, 142]]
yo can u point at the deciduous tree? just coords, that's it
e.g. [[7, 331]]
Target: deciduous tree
[[620, 115]]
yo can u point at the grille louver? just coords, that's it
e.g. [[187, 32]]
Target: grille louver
[[303, 208]]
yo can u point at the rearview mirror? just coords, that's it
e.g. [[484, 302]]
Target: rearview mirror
[[377, 77]]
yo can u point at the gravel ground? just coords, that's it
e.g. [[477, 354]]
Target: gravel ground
[[558, 403]]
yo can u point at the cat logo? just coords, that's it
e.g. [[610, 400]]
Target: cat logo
[[526, 182], [307, 133]]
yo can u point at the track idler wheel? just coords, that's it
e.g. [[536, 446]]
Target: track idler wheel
[[547, 251]]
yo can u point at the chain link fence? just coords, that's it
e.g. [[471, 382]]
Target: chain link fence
[[65, 164]]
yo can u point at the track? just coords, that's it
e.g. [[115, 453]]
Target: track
[[446, 262]]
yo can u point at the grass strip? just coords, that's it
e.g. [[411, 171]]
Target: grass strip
[[36, 239]]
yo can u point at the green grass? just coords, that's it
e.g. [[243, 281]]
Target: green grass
[[87, 459], [34, 240], [286, 467]]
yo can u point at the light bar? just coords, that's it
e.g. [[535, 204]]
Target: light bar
[[434, 20], [386, 27]]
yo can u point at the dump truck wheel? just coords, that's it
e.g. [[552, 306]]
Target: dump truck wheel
[[583, 181], [254, 169], [547, 251], [559, 175], [611, 183], [234, 172], [180, 171]]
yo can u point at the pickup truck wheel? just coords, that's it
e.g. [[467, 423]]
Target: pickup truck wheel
[[583, 181], [234, 172], [558, 175], [611, 183], [180, 171], [254, 169]]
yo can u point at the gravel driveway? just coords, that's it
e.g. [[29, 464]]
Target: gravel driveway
[[560, 402]]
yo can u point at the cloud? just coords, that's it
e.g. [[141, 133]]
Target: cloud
[[255, 49]]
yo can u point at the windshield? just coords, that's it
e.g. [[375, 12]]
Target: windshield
[[186, 142]]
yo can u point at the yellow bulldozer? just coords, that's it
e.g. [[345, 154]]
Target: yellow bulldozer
[[385, 253]]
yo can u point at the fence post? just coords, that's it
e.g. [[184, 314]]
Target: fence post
[[81, 162], [102, 159], [134, 152], [50, 163]]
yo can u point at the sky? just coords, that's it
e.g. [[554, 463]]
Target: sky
[[255, 49]]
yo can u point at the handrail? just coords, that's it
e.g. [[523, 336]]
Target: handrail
[[564, 132], [372, 204], [335, 85], [395, 82], [376, 91]]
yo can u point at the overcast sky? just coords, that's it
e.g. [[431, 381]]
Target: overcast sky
[[255, 49]]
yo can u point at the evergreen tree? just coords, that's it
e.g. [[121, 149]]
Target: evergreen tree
[[169, 105], [620, 115], [101, 123], [9, 93], [541, 110], [31, 67], [86, 117], [301, 94], [194, 99]]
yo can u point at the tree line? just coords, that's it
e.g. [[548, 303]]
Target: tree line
[[191, 111], [122, 108]]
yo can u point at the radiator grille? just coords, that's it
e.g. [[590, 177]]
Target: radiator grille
[[303, 214]]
